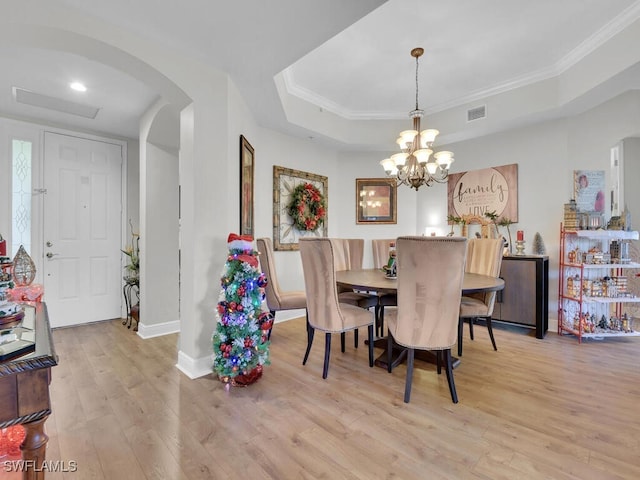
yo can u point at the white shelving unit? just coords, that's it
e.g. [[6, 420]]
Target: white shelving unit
[[584, 309]]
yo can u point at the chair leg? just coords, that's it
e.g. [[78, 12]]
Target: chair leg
[[343, 336], [310, 332], [439, 361], [376, 315], [382, 320], [355, 338], [327, 352], [449, 370], [471, 321], [460, 332], [273, 314], [370, 332], [407, 384], [493, 340], [389, 352]]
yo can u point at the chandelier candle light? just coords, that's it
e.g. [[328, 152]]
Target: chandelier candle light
[[412, 166]]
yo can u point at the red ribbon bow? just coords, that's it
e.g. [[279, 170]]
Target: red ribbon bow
[[235, 236]]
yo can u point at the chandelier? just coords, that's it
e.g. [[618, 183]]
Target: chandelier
[[412, 166]]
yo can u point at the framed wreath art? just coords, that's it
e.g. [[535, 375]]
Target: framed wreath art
[[307, 208], [300, 202]]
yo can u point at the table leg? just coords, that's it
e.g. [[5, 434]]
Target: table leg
[[34, 447], [399, 354]]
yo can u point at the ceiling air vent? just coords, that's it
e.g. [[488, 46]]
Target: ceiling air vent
[[476, 113]]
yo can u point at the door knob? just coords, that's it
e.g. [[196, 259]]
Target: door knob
[[49, 254]]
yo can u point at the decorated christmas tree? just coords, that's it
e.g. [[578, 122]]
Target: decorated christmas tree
[[538, 247], [240, 342]]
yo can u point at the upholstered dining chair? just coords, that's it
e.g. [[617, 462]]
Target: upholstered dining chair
[[326, 312], [349, 255], [277, 299], [380, 248], [484, 255], [430, 275]]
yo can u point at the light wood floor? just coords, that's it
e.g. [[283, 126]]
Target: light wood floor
[[535, 409]]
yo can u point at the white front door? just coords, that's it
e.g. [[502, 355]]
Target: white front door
[[82, 229]]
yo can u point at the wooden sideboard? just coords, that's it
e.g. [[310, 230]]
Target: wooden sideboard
[[24, 389], [525, 298]]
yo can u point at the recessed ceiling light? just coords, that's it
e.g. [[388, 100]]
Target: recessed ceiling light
[[78, 87]]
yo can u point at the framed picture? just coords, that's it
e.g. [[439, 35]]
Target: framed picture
[[308, 193], [376, 200], [247, 159], [588, 190]]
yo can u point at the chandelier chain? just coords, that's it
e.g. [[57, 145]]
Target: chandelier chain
[[417, 58]]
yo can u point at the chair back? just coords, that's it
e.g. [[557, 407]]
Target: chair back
[[356, 253], [484, 256], [380, 249], [319, 268], [348, 253], [268, 266], [430, 274]]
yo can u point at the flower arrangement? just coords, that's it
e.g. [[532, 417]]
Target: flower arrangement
[[454, 220], [133, 252], [307, 207], [502, 222]]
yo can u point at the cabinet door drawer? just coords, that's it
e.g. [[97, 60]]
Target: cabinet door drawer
[[519, 294]]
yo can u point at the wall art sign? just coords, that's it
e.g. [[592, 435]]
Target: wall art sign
[[477, 192], [285, 181]]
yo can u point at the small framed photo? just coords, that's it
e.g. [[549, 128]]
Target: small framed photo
[[376, 201], [247, 159]]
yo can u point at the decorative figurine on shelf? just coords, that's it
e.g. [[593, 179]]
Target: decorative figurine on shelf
[[24, 270], [240, 343], [391, 268]]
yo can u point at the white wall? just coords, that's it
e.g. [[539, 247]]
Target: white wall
[[353, 165], [159, 304], [546, 154]]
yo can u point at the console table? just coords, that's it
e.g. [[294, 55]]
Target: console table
[[525, 298], [24, 389]]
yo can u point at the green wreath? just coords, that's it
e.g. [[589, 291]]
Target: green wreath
[[307, 208]]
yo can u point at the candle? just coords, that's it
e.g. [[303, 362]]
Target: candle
[[520, 236]]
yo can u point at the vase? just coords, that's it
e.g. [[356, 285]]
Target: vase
[[246, 379]]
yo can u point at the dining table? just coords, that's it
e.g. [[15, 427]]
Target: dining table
[[375, 280]]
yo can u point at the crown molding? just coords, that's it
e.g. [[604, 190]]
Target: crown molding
[[589, 45]]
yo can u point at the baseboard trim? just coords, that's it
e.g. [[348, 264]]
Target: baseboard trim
[[158, 330], [284, 315], [194, 367]]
